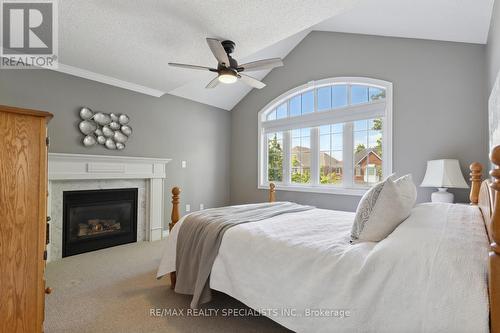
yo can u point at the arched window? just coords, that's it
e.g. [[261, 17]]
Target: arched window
[[332, 135]]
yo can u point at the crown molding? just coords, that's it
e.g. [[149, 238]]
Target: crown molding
[[75, 71]]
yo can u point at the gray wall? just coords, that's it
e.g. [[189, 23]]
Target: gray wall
[[493, 47], [439, 105], [165, 127]]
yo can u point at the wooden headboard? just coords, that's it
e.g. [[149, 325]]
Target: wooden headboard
[[489, 203], [486, 204]]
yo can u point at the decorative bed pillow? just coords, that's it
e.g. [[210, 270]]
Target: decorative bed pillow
[[364, 210], [383, 208]]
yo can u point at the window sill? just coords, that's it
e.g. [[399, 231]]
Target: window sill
[[358, 191]]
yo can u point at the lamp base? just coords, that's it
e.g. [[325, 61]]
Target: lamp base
[[442, 195]]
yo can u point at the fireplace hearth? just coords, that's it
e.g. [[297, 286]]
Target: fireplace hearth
[[98, 219]]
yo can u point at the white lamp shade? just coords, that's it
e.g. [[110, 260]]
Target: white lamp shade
[[444, 174]]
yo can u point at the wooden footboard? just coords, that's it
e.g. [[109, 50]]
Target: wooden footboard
[[175, 216]]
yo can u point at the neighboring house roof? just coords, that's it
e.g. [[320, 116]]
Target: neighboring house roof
[[361, 155], [305, 159]]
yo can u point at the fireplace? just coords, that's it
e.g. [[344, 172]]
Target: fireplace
[[97, 219]]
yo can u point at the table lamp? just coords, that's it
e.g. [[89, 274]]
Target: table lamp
[[443, 174]]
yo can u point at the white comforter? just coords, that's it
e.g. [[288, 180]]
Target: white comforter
[[299, 269]]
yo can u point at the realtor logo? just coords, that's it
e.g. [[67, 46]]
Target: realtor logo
[[29, 34]]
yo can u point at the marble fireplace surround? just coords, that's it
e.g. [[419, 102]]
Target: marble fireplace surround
[[69, 172]]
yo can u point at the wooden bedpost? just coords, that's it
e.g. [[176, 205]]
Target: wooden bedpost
[[174, 218], [475, 179], [175, 207], [494, 269], [272, 192]]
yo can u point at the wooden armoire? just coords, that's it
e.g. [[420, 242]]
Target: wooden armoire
[[23, 218]]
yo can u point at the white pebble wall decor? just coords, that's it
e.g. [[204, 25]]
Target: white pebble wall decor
[[108, 130]]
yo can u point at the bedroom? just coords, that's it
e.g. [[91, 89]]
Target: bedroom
[[366, 89]]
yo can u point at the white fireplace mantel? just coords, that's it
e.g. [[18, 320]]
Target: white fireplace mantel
[[96, 167], [79, 166]]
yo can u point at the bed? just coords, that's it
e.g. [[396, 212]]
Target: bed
[[432, 274]]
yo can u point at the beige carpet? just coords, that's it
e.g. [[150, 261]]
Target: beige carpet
[[113, 290]]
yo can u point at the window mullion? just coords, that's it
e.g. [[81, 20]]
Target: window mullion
[[265, 158], [315, 99], [349, 97], [315, 146], [287, 158], [314, 156], [347, 155]]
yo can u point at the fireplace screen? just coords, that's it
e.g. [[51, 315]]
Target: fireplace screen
[[98, 219]]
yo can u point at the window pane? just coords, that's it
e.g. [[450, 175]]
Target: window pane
[[281, 111], [368, 152], [324, 98], [375, 124], [271, 115], [376, 93], [339, 96], [295, 106], [324, 142], [337, 141], [330, 157], [337, 128], [360, 140], [359, 94], [301, 157], [361, 125], [374, 137], [337, 154], [308, 102], [324, 129], [275, 157]]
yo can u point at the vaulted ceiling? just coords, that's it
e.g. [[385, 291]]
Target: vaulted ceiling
[[128, 43]]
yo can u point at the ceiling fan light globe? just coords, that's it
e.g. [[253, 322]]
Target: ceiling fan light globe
[[227, 78]]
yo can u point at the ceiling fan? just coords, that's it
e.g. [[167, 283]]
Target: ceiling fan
[[228, 70]]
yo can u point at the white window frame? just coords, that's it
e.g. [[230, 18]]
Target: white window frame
[[373, 109]]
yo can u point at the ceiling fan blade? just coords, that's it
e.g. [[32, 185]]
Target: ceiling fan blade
[[218, 51], [252, 82], [262, 64], [213, 83], [203, 68]]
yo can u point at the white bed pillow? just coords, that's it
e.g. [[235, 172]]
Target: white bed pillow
[[383, 208]]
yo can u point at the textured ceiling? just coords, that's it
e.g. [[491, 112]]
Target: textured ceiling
[[134, 40], [128, 43], [449, 20]]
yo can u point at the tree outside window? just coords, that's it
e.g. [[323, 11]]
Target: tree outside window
[[275, 159]]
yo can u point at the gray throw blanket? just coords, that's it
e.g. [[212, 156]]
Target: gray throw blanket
[[200, 236]]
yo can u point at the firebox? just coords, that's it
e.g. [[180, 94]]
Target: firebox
[[97, 219]]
